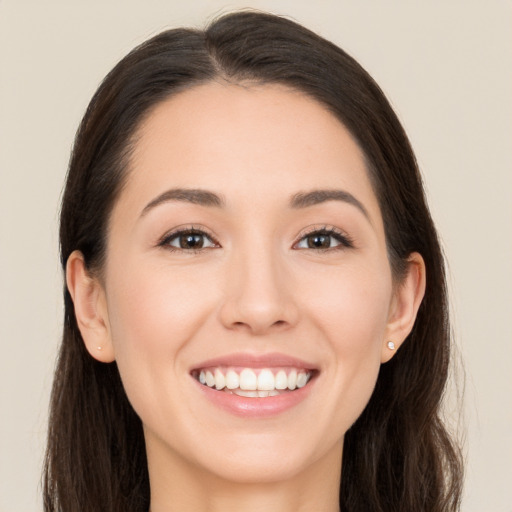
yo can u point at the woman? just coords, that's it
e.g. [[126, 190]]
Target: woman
[[256, 313]]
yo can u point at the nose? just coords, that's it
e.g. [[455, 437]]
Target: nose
[[258, 294]]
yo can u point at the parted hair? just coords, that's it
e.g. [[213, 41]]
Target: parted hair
[[398, 456]]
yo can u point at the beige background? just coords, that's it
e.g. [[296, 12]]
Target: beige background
[[445, 65]]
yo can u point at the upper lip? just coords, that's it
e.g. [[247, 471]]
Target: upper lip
[[251, 360]]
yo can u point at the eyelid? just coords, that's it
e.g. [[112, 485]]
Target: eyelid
[[346, 241], [187, 228]]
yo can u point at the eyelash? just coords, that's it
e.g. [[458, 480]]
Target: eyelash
[[345, 242], [166, 240]]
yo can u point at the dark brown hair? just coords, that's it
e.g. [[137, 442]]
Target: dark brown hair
[[398, 456]]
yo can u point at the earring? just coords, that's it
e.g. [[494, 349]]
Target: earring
[[391, 345], [99, 348]]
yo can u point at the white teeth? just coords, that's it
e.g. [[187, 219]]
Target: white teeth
[[281, 380], [266, 380], [292, 380], [242, 392], [220, 381], [248, 380], [302, 380], [232, 380], [210, 379], [264, 384]]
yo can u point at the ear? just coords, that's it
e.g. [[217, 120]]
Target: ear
[[90, 308], [404, 306]]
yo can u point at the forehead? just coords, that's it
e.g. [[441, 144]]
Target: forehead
[[238, 139]]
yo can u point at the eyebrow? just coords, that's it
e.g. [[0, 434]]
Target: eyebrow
[[306, 199], [194, 196], [298, 201]]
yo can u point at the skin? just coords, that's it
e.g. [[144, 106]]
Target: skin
[[255, 288]]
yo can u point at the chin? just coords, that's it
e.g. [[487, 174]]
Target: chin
[[265, 458]]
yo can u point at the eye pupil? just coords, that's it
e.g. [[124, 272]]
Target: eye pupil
[[191, 241], [315, 241]]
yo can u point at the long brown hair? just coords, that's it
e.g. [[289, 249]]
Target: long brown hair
[[398, 455]]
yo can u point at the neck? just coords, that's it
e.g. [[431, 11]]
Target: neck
[[177, 485]]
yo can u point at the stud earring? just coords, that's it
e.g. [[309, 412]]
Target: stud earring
[[99, 348], [391, 345]]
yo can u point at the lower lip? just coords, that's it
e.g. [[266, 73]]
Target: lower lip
[[250, 407]]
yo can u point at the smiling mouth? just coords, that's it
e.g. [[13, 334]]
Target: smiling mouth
[[252, 382]]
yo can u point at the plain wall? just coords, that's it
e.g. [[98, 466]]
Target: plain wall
[[446, 66]]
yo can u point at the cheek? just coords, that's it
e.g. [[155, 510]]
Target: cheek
[[153, 315], [154, 306], [350, 305], [350, 313]]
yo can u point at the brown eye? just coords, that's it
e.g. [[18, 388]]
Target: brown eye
[[324, 239], [188, 240], [191, 241], [318, 241]]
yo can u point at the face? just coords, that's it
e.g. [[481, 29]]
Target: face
[[247, 241]]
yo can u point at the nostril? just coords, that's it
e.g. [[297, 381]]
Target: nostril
[[277, 323]]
